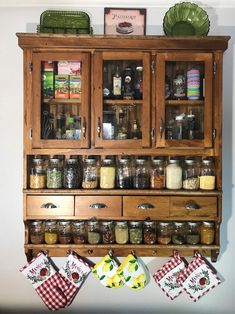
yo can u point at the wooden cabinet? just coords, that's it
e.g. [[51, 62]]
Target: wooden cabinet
[[122, 96]]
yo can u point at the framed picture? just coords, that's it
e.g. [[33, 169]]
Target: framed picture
[[124, 21]]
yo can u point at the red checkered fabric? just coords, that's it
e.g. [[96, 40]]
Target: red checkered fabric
[[171, 264], [70, 291]]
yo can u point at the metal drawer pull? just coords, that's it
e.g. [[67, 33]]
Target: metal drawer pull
[[145, 206], [191, 205], [49, 205], [98, 205]]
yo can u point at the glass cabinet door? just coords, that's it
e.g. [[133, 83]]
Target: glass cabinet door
[[61, 99], [184, 99], [122, 99]]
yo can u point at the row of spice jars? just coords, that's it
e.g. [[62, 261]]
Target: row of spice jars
[[123, 173], [121, 232]]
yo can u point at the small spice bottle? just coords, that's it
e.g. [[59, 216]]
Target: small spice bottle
[[174, 175], [94, 232], [190, 175], [36, 232], [124, 174], [207, 175], [79, 233], [157, 174], [64, 230], [71, 174], [37, 179], [90, 174], [179, 233], [107, 230], [193, 236], [54, 174], [107, 174], [141, 178], [207, 232], [51, 232], [164, 230], [150, 232], [135, 232], [121, 232]]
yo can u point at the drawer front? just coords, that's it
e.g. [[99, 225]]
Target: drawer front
[[193, 207], [98, 206], [142, 207], [50, 205]]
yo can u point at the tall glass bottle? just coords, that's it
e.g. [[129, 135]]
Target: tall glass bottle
[[117, 83], [122, 128]]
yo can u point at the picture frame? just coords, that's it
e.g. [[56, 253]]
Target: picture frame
[[124, 21]]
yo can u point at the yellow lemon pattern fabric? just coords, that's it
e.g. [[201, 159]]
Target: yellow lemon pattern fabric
[[106, 271]]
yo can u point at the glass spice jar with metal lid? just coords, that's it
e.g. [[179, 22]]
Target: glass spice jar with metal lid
[[124, 178], [36, 232], [193, 230], [54, 174], [135, 232], [107, 231], [93, 232], [79, 233], [141, 178], [90, 173], [207, 232], [207, 175], [72, 174], [65, 232], [178, 233], [121, 232], [51, 232], [174, 175], [37, 178], [107, 174], [157, 174], [149, 232], [164, 231], [190, 175]]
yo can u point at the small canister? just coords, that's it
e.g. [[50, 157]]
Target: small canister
[[174, 175], [79, 232], [178, 233], [124, 174], [51, 232], [193, 236], [190, 175], [207, 232], [107, 230], [90, 173], [157, 174], [135, 232], [94, 232], [37, 232], [150, 232], [207, 175], [54, 174], [107, 174], [141, 178], [72, 176], [37, 174], [164, 230], [64, 230], [121, 232]]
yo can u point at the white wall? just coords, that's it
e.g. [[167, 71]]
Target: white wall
[[15, 291]]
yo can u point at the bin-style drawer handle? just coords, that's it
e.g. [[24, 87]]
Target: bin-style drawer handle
[[145, 206], [192, 205], [98, 205], [49, 205]]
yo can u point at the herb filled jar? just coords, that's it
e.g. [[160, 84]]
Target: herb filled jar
[[207, 232], [207, 175], [93, 232], [107, 231], [107, 174], [157, 174], [164, 231], [193, 236], [79, 232], [174, 175], [178, 233], [37, 178], [190, 175], [54, 174], [121, 232], [64, 231], [124, 178], [149, 232], [72, 176], [36, 232], [90, 173], [135, 232], [141, 178], [51, 232]]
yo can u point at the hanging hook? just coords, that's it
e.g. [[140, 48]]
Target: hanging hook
[[110, 252]]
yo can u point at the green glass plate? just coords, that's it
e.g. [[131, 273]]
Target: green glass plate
[[186, 19]]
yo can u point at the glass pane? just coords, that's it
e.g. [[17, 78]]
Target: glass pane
[[61, 99]]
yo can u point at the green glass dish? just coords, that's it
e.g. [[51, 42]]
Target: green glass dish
[[186, 19]]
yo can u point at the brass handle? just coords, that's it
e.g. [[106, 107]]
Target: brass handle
[[192, 205], [84, 127], [99, 127], [98, 205], [145, 206], [49, 205], [161, 128]]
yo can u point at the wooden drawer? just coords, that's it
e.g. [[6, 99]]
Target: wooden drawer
[[50, 205], [142, 207], [193, 207], [98, 206]]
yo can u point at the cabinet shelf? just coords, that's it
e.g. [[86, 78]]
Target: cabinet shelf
[[61, 101], [122, 102], [184, 102]]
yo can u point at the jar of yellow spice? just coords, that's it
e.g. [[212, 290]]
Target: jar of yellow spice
[[107, 174], [207, 175], [51, 233]]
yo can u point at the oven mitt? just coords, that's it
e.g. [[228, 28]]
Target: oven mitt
[[166, 277], [133, 272], [47, 282], [106, 271], [198, 278]]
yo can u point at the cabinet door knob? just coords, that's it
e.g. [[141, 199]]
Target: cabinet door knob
[[49, 205], [98, 205], [99, 127], [145, 206], [84, 127], [191, 205]]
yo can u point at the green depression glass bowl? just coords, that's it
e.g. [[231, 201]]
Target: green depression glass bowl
[[186, 19]]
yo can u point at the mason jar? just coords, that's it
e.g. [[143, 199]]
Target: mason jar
[[79, 232], [51, 232], [90, 173], [174, 175], [72, 176], [190, 175], [157, 174], [178, 233], [207, 175], [207, 232], [107, 231], [135, 232], [121, 232], [164, 231], [54, 174], [107, 174], [65, 232], [37, 178], [150, 232], [124, 178], [141, 178], [93, 232], [36, 232], [193, 233]]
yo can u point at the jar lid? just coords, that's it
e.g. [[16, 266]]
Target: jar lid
[[107, 161], [107, 223], [50, 222], [135, 223], [124, 160], [140, 161], [90, 160], [207, 161], [78, 223], [179, 224], [174, 161], [54, 160], [208, 224], [121, 223], [71, 161], [157, 160], [149, 223], [193, 223], [164, 224], [36, 222], [93, 223], [190, 161], [38, 160], [64, 223], [139, 68]]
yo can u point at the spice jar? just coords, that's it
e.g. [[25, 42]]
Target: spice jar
[[141, 178], [36, 232], [157, 174], [207, 175], [173, 175], [124, 174], [179, 233], [94, 233], [164, 231], [107, 174], [135, 232], [121, 232], [79, 232], [54, 174], [190, 175], [207, 232], [51, 233], [90, 174], [37, 179], [150, 232], [193, 236], [107, 229], [64, 230], [71, 174]]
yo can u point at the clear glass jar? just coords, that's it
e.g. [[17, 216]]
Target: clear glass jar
[[141, 178], [79, 232], [207, 175], [72, 178], [54, 174], [124, 178], [207, 232], [51, 232], [90, 174], [107, 174], [157, 174], [190, 175], [121, 232], [37, 179], [193, 236], [178, 233], [135, 232], [65, 232], [107, 230], [94, 232], [36, 232], [150, 232], [164, 230], [174, 175]]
